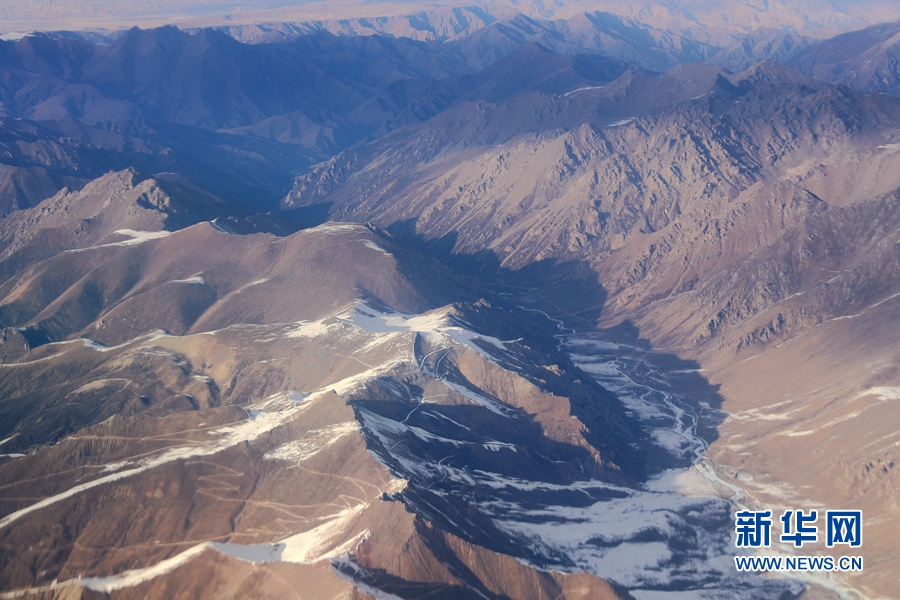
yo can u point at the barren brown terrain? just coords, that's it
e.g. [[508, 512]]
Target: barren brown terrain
[[406, 300]]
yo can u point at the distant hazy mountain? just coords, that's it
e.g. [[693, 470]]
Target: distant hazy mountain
[[713, 23], [426, 25], [208, 79], [495, 36], [866, 60], [763, 44], [716, 22], [154, 100]]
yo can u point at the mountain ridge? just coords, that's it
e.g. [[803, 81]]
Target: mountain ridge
[[375, 316]]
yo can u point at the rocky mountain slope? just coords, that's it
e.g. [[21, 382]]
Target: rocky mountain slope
[[733, 216], [599, 175], [195, 372]]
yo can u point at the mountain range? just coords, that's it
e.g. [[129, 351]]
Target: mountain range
[[470, 303]]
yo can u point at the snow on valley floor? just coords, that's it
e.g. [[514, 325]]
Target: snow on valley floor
[[672, 539], [675, 538]]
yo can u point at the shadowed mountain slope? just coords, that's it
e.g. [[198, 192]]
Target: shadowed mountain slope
[[39, 158], [207, 79], [865, 60]]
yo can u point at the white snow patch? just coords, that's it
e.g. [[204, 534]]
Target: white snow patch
[[367, 318], [111, 467], [348, 384], [374, 246], [309, 329], [336, 228], [382, 425], [89, 343], [794, 433], [255, 553], [15, 36], [304, 547], [883, 392], [491, 405], [438, 322], [313, 442], [622, 122], [94, 345], [439, 326], [134, 577], [583, 89], [221, 228], [693, 483], [496, 446], [865, 310], [195, 279], [343, 564], [99, 384], [229, 436], [324, 540], [446, 418], [667, 595], [280, 401], [137, 237], [754, 414]]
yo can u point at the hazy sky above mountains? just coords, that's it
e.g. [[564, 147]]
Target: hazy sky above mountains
[[817, 18]]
